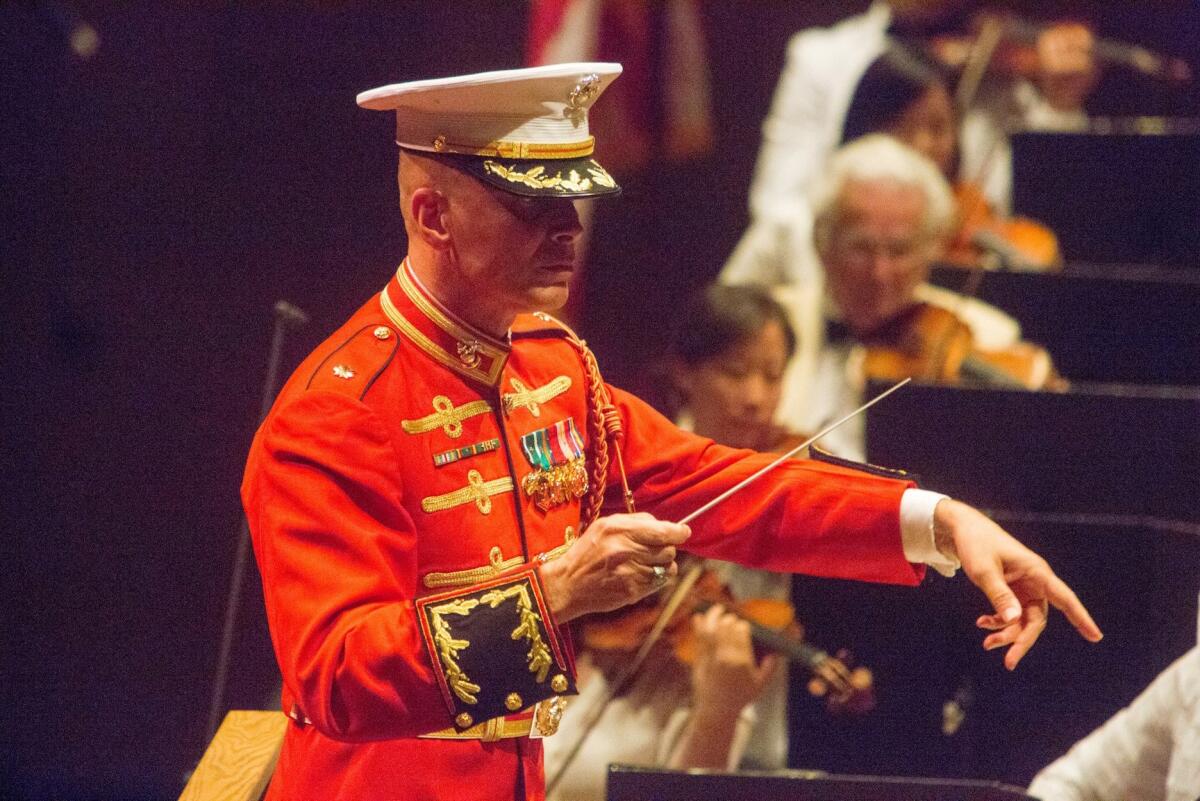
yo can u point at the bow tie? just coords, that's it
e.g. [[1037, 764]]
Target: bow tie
[[837, 332]]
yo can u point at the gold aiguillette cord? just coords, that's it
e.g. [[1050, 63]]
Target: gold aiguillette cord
[[684, 586]]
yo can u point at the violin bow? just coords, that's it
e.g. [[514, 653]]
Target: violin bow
[[684, 586]]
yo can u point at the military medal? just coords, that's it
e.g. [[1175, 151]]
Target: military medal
[[559, 472]]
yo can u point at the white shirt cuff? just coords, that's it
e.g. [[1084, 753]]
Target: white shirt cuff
[[916, 531]]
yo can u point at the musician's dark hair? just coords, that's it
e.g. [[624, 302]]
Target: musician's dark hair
[[719, 316], [895, 80]]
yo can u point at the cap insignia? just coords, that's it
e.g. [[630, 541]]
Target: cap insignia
[[581, 96]]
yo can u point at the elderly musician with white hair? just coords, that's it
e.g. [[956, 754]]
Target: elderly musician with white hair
[[854, 269]]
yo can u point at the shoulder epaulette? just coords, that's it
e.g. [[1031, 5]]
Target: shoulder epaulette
[[355, 364], [538, 325]]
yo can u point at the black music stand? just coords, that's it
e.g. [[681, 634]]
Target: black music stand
[[629, 783], [1098, 449], [1115, 198]]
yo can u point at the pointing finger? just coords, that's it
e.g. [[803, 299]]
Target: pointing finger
[[1065, 600]]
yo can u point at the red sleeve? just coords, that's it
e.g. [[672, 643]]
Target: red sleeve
[[802, 517], [337, 553], [338, 557]]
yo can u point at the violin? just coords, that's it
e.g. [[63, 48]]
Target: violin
[[1017, 54], [773, 628], [929, 343], [1014, 243]]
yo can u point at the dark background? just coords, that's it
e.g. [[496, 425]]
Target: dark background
[[157, 199]]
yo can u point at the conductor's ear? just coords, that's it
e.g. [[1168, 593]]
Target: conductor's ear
[[426, 207]]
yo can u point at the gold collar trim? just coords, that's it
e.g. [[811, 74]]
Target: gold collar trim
[[479, 356]]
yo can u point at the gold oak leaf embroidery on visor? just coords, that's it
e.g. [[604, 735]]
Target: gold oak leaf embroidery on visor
[[531, 399], [537, 178], [446, 416], [538, 654]]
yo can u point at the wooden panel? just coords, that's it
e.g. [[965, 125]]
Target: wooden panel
[[238, 763]]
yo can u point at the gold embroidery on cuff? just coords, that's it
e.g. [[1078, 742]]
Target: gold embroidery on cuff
[[523, 396], [538, 654], [477, 490], [446, 416], [448, 647], [457, 578]]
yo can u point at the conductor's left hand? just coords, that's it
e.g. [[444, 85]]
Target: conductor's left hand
[[1019, 584]]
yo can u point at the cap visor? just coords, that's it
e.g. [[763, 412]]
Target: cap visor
[[573, 178]]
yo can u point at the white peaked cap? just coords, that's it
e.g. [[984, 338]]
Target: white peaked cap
[[531, 113]]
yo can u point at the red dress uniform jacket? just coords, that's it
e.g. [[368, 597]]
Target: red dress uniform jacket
[[411, 475]]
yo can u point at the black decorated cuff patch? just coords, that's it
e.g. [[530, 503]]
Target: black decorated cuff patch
[[493, 649], [821, 455]]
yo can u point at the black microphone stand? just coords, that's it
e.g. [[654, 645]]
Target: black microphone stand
[[286, 316]]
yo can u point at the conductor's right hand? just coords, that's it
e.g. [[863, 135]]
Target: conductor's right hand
[[618, 560]]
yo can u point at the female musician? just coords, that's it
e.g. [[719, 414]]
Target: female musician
[[726, 363], [907, 97]]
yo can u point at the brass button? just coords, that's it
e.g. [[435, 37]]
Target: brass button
[[383, 332], [513, 702], [559, 683], [464, 720]]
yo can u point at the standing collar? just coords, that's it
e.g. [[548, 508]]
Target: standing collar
[[441, 335]]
